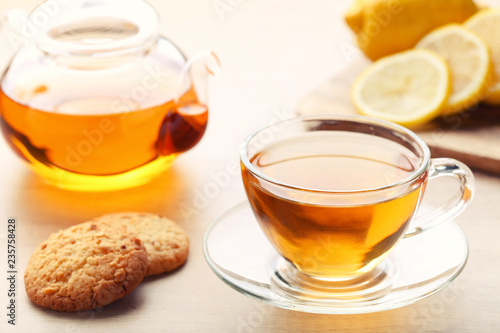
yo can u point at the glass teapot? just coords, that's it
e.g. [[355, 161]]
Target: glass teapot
[[96, 100]]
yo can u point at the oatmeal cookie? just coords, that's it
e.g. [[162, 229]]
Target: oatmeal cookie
[[85, 266], [167, 246]]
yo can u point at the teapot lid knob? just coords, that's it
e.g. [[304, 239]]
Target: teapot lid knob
[[92, 26]]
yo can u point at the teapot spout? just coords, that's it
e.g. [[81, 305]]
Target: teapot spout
[[196, 74], [184, 126]]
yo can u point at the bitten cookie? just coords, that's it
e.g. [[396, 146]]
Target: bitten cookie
[[166, 243], [85, 266]]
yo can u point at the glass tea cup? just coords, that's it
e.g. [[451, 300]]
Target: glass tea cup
[[334, 195]]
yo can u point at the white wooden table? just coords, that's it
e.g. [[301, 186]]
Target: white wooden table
[[273, 54]]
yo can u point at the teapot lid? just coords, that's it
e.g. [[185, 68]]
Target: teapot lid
[[87, 27]]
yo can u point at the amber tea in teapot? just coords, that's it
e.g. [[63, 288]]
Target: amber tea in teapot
[[104, 144], [103, 103]]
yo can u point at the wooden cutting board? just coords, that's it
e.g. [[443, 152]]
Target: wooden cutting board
[[472, 137]]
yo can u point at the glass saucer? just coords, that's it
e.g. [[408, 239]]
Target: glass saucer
[[419, 266]]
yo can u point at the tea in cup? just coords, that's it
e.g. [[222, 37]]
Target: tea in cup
[[334, 194]]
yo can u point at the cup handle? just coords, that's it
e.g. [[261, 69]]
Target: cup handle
[[441, 167]]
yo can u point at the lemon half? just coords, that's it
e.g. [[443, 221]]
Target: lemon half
[[385, 27]]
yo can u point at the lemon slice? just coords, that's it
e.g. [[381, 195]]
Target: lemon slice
[[469, 61], [409, 88], [486, 24]]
